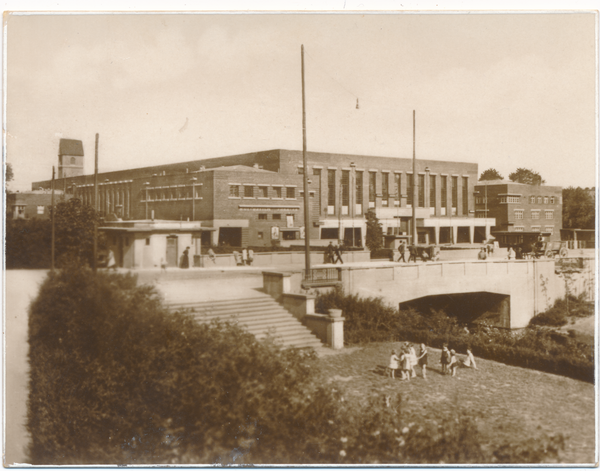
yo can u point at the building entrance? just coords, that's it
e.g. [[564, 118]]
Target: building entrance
[[231, 236], [352, 237], [171, 251]]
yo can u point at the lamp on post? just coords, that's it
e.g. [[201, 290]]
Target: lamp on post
[[352, 197], [194, 179], [146, 198]]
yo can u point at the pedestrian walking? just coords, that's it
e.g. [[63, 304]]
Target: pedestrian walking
[[212, 256], [422, 359], [185, 258], [338, 254], [329, 252], [393, 365], [112, 263], [244, 256], [412, 251], [250, 256], [401, 250]]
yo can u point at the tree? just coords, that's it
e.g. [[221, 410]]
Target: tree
[[374, 239], [527, 176], [74, 226], [579, 209], [9, 173], [491, 174]]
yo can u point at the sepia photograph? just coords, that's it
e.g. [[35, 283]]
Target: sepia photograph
[[300, 238]]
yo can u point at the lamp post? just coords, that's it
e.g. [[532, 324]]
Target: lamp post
[[352, 197], [146, 198], [194, 179]]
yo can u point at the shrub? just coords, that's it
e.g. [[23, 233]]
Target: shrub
[[558, 315], [115, 378]]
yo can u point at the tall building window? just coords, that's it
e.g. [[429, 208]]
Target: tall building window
[[290, 193], [444, 192], [421, 191], [535, 214], [409, 189], [454, 194], [248, 192], [372, 189], [398, 188], [465, 195], [345, 190], [545, 200], [532, 199], [263, 191], [277, 192], [518, 214], [317, 175], [385, 188], [549, 214], [234, 191], [552, 200], [330, 191], [432, 191], [359, 192]]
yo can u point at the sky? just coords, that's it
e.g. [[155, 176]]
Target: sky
[[501, 90]]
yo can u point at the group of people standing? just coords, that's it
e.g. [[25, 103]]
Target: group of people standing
[[333, 254], [245, 258], [406, 359], [406, 362]]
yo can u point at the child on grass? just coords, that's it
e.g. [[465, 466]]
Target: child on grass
[[413, 359], [393, 365], [470, 361], [445, 359], [422, 359], [406, 364], [453, 365]]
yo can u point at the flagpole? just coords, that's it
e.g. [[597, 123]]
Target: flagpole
[[305, 175]]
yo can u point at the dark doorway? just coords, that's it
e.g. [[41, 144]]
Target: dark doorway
[[445, 235], [231, 236], [330, 233], [172, 251], [470, 308], [206, 239], [479, 235], [463, 235]]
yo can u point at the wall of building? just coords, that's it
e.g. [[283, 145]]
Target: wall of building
[[30, 205]]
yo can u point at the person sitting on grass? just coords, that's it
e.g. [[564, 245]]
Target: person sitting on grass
[[422, 359], [453, 365], [393, 365], [470, 361]]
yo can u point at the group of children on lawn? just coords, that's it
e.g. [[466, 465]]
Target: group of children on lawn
[[408, 359]]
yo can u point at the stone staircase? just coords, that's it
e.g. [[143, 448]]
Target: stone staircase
[[260, 316]]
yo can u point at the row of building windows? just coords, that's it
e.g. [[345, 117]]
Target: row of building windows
[[535, 214], [275, 217], [173, 194], [517, 199], [250, 191], [549, 229]]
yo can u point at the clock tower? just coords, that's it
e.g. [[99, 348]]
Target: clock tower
[[70, 158]]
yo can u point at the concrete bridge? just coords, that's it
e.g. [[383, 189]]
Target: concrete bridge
[[508, 292]]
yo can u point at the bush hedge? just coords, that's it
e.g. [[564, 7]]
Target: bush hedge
[[370, 319], [117, 379]]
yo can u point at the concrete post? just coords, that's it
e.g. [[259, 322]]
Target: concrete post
[[335, 329], [471, 234], [436, 231], [454, 234]]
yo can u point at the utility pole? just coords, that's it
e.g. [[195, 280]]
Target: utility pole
[[305, 174], [414, 189], [95, 252], [52, 236]]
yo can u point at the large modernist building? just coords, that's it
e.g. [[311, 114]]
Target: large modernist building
[[257, 198], [520, 210]]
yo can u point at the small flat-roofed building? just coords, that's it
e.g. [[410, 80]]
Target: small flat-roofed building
[[32, 204]]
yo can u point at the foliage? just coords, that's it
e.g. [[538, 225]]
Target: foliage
[[490, 174], [527, 176], [558, 315], [9, 176], [374, 236], [28, 242], [115, 378], [579, 209], [369, 319]]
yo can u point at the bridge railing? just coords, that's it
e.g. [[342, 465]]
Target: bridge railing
[[321, 276]]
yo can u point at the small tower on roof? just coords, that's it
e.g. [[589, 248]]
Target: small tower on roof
[[70, 158]]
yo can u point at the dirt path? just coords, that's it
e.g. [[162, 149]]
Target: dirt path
[[512, 404]]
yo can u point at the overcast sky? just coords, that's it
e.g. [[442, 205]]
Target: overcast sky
[[500, 90]]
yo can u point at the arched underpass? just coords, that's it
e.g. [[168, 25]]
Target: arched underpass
[[480, 307]]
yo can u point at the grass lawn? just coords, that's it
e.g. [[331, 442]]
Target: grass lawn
[[510, 404]]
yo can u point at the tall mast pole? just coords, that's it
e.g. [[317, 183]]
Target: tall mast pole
[[52, 236], [414, 189], [95, 254], [305, 175]]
